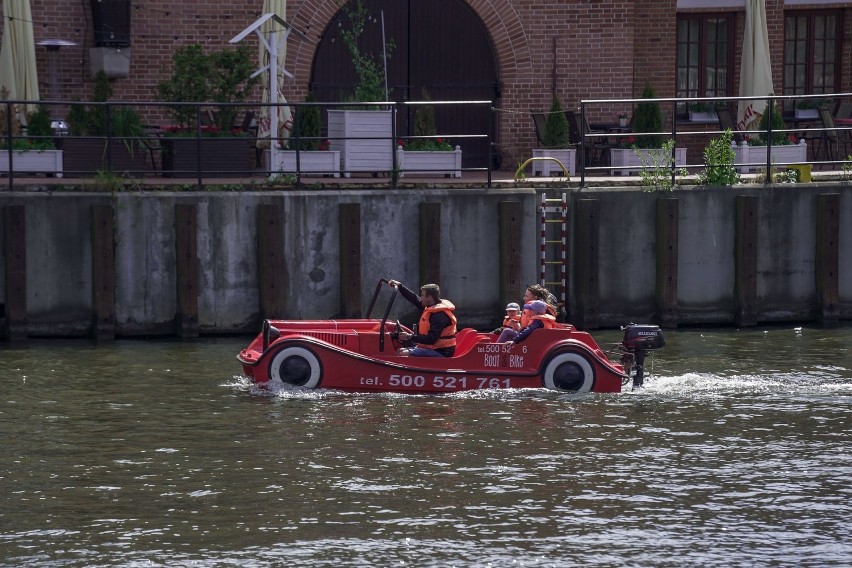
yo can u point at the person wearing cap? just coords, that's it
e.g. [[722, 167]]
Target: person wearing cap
[[437, 317], [512, 319], [536, 314]]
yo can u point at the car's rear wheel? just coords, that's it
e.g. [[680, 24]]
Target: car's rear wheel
[[569, 371], [296, 366]]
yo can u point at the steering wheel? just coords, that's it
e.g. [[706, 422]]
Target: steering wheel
[[396, 329]]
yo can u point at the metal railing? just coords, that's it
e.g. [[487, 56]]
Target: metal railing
[[675, 127], [155, 147]]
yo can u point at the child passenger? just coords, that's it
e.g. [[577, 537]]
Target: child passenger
[[536, 313], [512, 320]]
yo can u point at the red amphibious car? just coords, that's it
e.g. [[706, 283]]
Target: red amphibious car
[[360, 355]]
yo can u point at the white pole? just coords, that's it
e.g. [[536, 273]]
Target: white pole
[[384, 53], [273, 100]]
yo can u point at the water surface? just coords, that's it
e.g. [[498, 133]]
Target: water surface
[[157, 453]]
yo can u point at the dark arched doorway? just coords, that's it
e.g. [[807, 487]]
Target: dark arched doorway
[[440, 45]]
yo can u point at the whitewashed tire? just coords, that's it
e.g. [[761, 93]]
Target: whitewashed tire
[[296, 366], [569, 371]]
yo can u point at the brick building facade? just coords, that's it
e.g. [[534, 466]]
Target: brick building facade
[[587, 49]]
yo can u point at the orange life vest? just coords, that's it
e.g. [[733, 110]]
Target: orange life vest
[[448, 334], [507, 321], [548, 320], [527, 315]]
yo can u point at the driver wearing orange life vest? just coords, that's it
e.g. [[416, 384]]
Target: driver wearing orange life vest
[[437, 317]]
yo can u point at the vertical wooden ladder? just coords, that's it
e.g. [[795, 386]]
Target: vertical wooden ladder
[[554, 249]]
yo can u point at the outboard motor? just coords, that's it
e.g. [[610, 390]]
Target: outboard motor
[[638, 340]]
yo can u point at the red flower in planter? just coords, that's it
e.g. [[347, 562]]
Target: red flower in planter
[[325, 145]]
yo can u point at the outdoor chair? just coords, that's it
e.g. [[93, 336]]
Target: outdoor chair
[[827, 141], [726, 121], [843, 112], [539, 120], [597, 148]]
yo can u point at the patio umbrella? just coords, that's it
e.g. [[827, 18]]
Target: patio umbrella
[[17, 55], [285, 118], [756, 68]]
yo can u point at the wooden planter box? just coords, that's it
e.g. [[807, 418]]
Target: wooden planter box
[[446, 163], [364, 139], [750, 158], [220, 156], [33, 161], [322, 162], [86, 157], [627, 158], [567, 157]]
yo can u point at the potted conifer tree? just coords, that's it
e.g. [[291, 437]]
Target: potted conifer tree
[[431, 156], [785, 149], [307, 152], [645, 146], [556, 141], [33, 153]]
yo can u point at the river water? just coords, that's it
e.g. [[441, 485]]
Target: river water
[[157, 453]]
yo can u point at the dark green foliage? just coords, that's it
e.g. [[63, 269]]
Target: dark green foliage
[[369, 67], [223, 76], [648, 118], [39, 129], [308, 124], [778, 138], [91, 120], [424, 118], [555, 133], [424, 125], [188, 83], [230, 82]]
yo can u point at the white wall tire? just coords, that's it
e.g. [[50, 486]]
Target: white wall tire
[[570, 372], [296, 366]]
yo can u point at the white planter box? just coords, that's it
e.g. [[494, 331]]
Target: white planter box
[[806, 113], [749, 158], [33, 161], [626, 158], [703, 116], [317, 162], [567, 157], [364, 139], [447, 164]]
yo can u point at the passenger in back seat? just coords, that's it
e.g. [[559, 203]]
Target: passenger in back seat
[[536, 314]]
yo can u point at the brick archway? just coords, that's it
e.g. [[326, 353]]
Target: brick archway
[[500, 19]]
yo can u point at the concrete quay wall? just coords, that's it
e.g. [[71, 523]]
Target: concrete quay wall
[[163, 263]]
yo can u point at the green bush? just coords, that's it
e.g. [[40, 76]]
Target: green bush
[[778, 138], [223, 77], [91, 120], [308, 124], [555, 133], [719, 160], [648, 118]]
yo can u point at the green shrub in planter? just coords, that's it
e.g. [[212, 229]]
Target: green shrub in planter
[[778, 138], [221, 77], [555, 133], [648, 118], [308, 124]]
